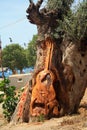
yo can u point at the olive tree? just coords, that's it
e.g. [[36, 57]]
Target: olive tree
[[60, 75]]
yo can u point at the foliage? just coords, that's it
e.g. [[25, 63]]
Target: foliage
[[63, 8], [9, 98], [61, 5], [41, 118], [73, 23], [14, 57], [31, 51], [76, 24], [1, 97]]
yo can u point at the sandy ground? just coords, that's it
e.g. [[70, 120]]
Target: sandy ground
[[73, 122]]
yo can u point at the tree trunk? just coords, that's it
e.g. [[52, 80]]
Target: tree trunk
[[14, 71], [59, 79]]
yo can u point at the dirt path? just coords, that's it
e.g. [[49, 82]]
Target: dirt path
[[74, 122]]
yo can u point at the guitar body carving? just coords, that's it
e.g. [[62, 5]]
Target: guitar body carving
[[43, 99]]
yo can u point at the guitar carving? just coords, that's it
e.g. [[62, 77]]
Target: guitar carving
[[43, 99]]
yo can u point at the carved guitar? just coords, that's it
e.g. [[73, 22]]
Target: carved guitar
[[43, 99]]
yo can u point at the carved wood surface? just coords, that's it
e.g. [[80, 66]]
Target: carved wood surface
[[43, 98], [21, 113]]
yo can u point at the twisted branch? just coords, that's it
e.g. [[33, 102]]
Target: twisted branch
[[33, 10]]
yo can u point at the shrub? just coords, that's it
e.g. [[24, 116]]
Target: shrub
[[8, 98]]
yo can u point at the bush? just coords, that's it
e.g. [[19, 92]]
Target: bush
[[8, 98]]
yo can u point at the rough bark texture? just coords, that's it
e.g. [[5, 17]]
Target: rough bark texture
[[60, 76], [75, 71], [21, 113]]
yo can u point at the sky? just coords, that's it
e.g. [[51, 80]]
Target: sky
[[14, 24]]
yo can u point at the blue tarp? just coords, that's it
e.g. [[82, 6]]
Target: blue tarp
[[9, 72]]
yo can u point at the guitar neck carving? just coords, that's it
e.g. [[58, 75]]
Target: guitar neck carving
[[49, 45]]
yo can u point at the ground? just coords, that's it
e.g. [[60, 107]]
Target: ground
[[72, 122]]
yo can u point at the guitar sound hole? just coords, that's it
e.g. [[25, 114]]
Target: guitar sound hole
[[42, 105], [47, 77]]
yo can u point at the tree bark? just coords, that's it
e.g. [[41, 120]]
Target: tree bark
[[55, 90]]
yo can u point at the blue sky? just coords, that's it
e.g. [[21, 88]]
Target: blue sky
[[13, 22]]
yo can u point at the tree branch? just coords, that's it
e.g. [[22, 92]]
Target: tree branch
[[38, 5], [34, 15], [44, 19], [30, 1]]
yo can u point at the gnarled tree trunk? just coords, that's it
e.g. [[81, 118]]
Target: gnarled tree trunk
[[60, 75]]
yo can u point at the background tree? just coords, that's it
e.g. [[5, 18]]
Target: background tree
[[14, 57], [31, 51]]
